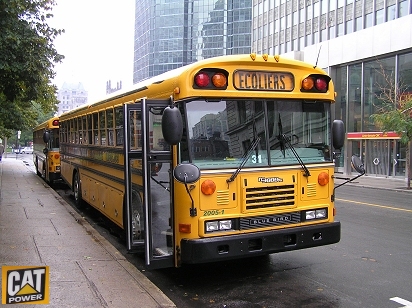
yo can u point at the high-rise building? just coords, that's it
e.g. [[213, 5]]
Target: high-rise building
[[71, 96], [365, 45], [173, 33]]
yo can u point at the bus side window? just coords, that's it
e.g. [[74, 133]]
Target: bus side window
[[118, 114], [89, 129], [72, 131], [102, 127], [110, 135], [75, 130], [95, 128], [84, 140]]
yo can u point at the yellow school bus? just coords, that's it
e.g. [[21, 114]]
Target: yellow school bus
[[225, 158], [46, 156]]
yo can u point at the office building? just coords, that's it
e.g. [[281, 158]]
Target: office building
[[70, 96], [366, 46], [173, 33]]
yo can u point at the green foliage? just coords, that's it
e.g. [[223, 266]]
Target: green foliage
[[27, 60], [396, 116]]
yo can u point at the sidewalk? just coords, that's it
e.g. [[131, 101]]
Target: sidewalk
[[372, 181], [38, 228]]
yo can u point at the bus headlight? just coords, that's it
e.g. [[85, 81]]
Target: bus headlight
[[212, 226], [218, 225], [225, 224], [316, 214]]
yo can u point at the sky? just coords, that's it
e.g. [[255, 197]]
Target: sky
[[97, 43]]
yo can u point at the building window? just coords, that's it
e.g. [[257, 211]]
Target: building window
[[368, 20], [349, 26], [354, 99], [379, 78], [391, 12], [403, 8], [358, 24], [332, 32], [340, 30], [380, 16]]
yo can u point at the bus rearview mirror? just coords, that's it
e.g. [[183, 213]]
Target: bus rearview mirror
[[338, 134], [46, 137], [172, 125]]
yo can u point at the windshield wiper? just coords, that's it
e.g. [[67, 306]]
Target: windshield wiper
[[287, 141], [244, 159], [247, 154], [284, 139]]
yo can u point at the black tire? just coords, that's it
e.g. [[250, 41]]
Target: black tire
[[137, 221], [37, 168], [77, 190], [137, 216]]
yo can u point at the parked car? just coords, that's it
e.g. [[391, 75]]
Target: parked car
[[26, 150]]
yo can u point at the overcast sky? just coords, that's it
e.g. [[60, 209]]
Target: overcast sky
[[97, 43]]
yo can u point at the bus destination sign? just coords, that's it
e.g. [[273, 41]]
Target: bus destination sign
[[263, 81]]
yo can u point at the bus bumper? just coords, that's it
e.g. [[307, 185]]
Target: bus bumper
[[255, 244]]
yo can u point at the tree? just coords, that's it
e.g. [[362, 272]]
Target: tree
[[27, 60], [395, 113]]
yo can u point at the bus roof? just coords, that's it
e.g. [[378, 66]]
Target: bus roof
[[168, 81], [47, 124]]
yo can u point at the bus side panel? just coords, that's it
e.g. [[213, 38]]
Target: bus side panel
[[67, 172], [104, 195]]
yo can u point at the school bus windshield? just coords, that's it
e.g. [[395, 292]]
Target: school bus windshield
[[259, 133]]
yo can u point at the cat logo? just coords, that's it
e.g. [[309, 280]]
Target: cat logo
[[25, 284]]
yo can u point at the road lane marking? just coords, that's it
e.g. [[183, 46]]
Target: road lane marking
[[375, 205], [402, 301]]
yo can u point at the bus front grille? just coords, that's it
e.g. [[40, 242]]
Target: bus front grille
[[270, 196], [248, 223]]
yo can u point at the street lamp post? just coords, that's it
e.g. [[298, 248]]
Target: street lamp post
[[18, 142]]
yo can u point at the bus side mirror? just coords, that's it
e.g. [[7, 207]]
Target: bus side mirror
[[46, 137], [338, 134], [186, 173], [357, 164], [172, 125]]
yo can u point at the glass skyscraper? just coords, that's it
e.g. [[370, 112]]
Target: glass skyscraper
[[365, 45], [173, 33]]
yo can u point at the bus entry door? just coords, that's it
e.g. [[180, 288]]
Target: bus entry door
[[147, 181]]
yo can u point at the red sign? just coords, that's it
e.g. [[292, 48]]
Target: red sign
[[373, 135]]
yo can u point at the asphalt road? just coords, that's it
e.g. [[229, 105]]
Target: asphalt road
[[370, 267]]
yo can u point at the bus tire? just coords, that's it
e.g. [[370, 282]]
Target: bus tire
[[137, 216], [137, 219], [77, 190], [37, 168]]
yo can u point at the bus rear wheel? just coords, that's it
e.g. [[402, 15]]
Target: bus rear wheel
[[136, 222], [77, 190], [137, 217], [37, 168]]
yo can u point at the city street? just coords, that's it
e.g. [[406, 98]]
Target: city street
[[370, 267]]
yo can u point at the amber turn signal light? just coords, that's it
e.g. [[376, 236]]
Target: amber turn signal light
[[323, 178], [208, 187]]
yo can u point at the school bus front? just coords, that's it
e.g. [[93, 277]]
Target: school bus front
[[260, 133], [259, 213]]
